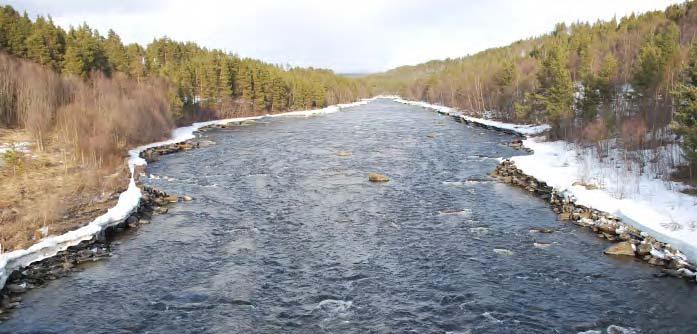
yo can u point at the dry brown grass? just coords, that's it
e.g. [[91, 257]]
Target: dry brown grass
[[81, 130], [45, 190]]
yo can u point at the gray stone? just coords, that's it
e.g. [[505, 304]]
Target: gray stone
[[644, 249], [16, 288]]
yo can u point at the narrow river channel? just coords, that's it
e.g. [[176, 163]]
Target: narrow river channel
[[286, 236]]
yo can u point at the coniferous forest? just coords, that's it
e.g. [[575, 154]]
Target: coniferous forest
[[630, 78], [169, 81]]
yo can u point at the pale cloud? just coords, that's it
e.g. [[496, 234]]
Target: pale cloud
[[346, 36]]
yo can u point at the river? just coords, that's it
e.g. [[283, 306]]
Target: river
[[285, 236]]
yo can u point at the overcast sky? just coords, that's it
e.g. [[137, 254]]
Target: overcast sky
[[356, 36]]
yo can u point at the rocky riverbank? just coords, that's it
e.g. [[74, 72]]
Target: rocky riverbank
[[628, 241], [152, 202], [68, 261]]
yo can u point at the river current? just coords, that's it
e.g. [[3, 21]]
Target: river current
[[286, 236]]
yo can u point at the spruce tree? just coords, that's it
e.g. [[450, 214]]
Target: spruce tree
[[685, 117], [116, 52]]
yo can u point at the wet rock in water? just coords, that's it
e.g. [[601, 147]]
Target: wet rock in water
[[542, 230], [431, 135], [205, 143], [644, 249], [479, 230], [171, 199], [344, 153], [132, 221], [516, 144], [614, 329], [16, 288], [621, 248], [656, 262], [503, 251], [671, 272], [375, 177], [186, 198]]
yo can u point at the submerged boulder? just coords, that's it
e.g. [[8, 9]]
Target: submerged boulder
[[542, 230], [621, 248], [375, 177], [503, 252], [171, 199], [541, 245]]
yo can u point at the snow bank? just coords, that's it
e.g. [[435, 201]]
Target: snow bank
[[640, 198], [522, 129], [648, 203], [129, 199]]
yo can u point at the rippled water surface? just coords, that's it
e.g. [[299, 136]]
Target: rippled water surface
[[284, 236]]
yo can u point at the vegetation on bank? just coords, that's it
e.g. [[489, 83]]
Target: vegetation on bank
[[621, 78], [204, 83]]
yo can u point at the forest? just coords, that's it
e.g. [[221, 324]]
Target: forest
[[632, 78], [88, 85]]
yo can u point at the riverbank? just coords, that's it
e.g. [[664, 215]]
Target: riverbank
[[128, 201], [655, 223]]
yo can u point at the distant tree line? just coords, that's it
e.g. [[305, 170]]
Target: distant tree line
[[208, 79], [99, 95]]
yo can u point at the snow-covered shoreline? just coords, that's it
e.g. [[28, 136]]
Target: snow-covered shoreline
[[521, 129], [667, 215], [130, 199]]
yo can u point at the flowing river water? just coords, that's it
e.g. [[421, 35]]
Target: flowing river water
[[285, 236]]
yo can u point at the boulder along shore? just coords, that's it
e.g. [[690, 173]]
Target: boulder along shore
[[628, 240]]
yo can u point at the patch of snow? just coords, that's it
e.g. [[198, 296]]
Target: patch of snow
[[128, 200], [649, 203], [21, 147]]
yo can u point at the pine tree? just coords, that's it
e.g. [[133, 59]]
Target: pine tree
[[84, 52], [225, 80], [649, 68], [554, 99], [116, 52], [37, 43], [136, 61], [685, 117], [658, 56]]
